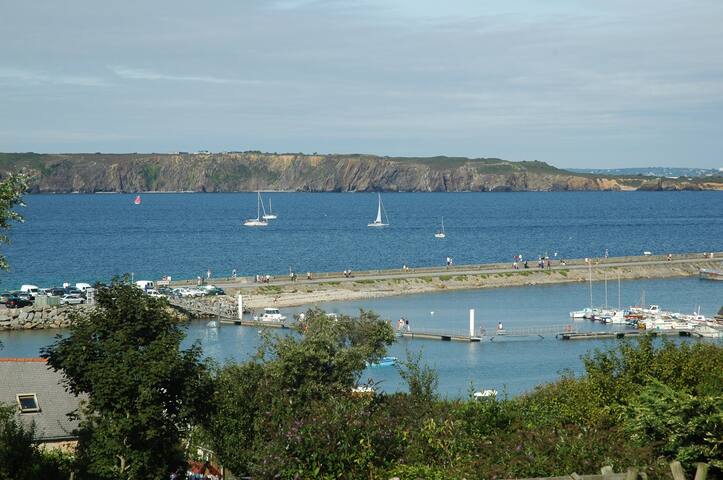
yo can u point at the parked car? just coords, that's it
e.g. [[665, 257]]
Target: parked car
[[212, 290], [151, 292], [25, 296], [71, 299], [5, 296], [17, 302], [57, 292], [30, 289]]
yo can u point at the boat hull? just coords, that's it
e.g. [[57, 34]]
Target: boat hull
[[255, 223], [705, 274]]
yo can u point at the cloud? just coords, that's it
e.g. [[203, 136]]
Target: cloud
[[19, 76], [143, 74]]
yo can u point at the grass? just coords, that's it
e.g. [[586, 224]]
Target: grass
[[365, 282], [270, 289], [330, 283], [563, 272], [445, 278], [461, 278]]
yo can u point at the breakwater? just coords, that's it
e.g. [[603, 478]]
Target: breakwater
[[335, 286], [38, 318]]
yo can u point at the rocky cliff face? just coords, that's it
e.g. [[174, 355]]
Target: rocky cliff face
[[249, 171]]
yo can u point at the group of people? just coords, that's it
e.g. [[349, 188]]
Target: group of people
[[403, 325], [347, 273], [262, 278]]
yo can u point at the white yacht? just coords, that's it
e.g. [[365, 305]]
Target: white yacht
[[259, 221], [378, 221], [271, 215], [440, 233]]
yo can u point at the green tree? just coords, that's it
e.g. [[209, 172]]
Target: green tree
[[143, 391], [11, 190], [291, 410], [20, 457]]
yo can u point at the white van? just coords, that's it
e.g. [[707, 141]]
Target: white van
[[31, 289], [83, 286], [145, 285]]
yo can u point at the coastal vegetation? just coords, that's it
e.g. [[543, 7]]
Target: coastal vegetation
[[252, 170], [143, 392], [300, 407], [292, 412]]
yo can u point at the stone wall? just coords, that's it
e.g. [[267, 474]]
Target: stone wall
[[28, 318]]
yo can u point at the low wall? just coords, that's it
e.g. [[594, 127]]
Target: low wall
[[38, 318]]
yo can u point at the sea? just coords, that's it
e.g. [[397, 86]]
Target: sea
[[84, 238]]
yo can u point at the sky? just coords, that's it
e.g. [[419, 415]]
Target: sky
[[586, 83]]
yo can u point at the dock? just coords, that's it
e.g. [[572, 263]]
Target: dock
[[483, 335], [625, 334], [257, 324]]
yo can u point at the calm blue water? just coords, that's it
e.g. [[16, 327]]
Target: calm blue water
[[512, 365], [78, 238]]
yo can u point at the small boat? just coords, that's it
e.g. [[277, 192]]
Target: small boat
[[383, 362], [484, 394], [259, 220], [270, 315], [137, 201], [270, 215], [440, 233], [710, 274], [378, 221]]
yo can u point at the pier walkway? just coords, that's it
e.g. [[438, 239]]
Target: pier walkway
[[243, 283]]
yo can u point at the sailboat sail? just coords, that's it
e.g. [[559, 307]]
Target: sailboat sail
[[270, 215], [137, 201], [378, 221]]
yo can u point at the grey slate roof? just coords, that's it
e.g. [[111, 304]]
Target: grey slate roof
[[32, 375]]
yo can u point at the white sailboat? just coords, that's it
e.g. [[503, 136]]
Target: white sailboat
[[378, 221], [270, 215], [440, 233], [259, 220]]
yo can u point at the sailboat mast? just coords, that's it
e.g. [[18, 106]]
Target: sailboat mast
[[606, 290], [590, 282], [619, 304]]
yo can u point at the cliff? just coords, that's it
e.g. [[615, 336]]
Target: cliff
[[250, 171]]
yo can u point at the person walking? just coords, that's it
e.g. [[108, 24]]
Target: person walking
[[233, 273]]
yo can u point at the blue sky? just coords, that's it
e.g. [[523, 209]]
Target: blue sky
[[575, 83]]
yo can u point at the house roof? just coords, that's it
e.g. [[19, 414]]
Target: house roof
[[32, 375]]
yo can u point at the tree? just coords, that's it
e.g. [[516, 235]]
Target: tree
[[291, 409], [143, 391], [11, 190], [20, 457]]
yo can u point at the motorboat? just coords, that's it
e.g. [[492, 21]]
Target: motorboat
[[383, 362], [270, 315]]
